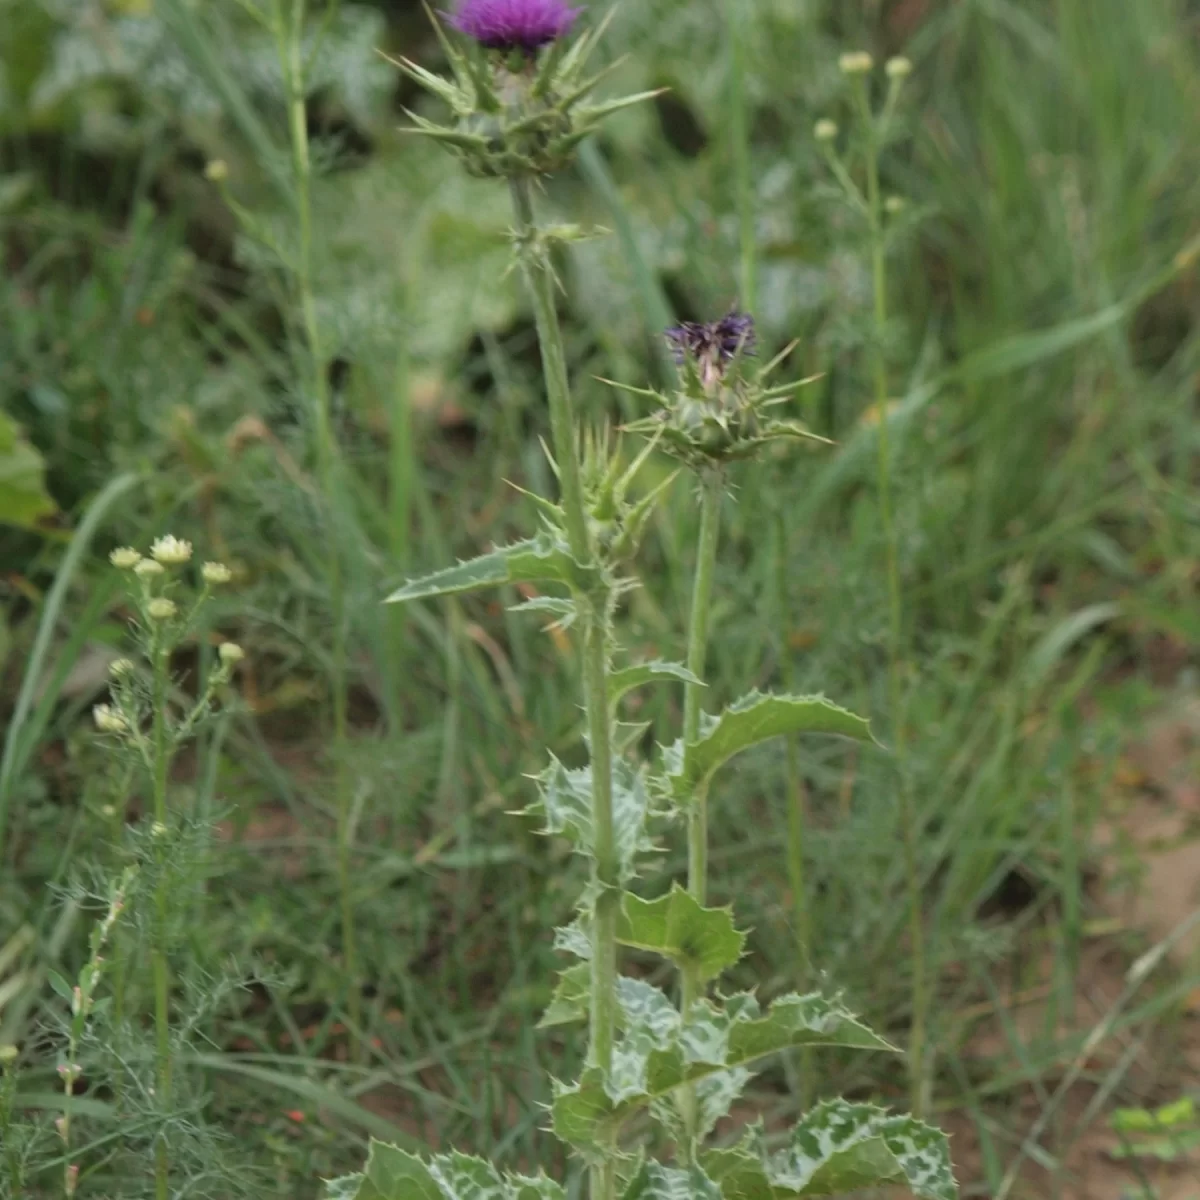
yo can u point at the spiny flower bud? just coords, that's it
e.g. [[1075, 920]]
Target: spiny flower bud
[[120, 667], [69, 1072], [514, 24], [215, 572], [125, 558], [231, 652], [108, 720], [158, 830], [898, 67], [161, 609], [825, 130], [858, 62], [148, 568], [171, 551]]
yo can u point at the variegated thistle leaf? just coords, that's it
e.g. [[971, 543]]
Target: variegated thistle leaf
[[542, 559], [656, 1053], [564, 804], [754, 718], [394, 1174], [676, 926], [653, 1181], [837, 1148]]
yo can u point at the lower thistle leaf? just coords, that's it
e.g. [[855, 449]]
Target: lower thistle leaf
[[653, 1181], [394, 1174], [836, 1149], [656, 1053]]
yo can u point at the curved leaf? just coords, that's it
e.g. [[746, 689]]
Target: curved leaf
[[755, 718], [628, 678], [653, 1181], [537, 560]]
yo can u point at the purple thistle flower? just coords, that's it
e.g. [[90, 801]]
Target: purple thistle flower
[[713, 345], [514, 24]]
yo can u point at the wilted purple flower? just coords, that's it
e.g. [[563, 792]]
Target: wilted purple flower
[[713, 345], [514, 24]]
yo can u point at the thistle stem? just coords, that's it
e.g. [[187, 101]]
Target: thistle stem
[[594, 623], [702, 588], [916, 1046], [712, 489], [291, 38]]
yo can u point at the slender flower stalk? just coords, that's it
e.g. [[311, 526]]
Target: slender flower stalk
[[288, 27], [875, 128], [161, 758], [594, 614]]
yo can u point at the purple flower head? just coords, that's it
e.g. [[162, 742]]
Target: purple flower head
[[713, 345], [514, 24]]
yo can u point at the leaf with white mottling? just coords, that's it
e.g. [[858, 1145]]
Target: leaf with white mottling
[[656, 1182], [657, 1052], [565, 805], [394, 1174]]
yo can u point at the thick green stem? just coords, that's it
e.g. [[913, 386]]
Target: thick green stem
[[162, 978], [291, 38], [916, 1047], [595, 619], [712, 487], [712, 490], [539, 276]]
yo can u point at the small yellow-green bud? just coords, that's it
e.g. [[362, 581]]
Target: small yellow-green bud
[[231, 652], [120, 667], [148, 568], [825, 130], [216, 171], [858, 62], [171, 551], [161, 609], [8, 1053], [158, 830], [215, 572], [895, 204], [108, 720], [125, 557], [898, 67]]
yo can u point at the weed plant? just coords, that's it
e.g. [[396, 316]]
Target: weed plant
[[519, 106]]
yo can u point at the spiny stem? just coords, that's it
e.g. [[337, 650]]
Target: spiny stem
[[162, 980], [712, 490], [291, 37], [916, 1047], [595, 619], [702, 588]]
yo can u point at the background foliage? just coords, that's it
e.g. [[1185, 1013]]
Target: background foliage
[[1044, 358]]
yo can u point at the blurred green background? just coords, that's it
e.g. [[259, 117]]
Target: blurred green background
[[1044, 356]]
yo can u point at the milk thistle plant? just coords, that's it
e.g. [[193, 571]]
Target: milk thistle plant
[[651, 1063]]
